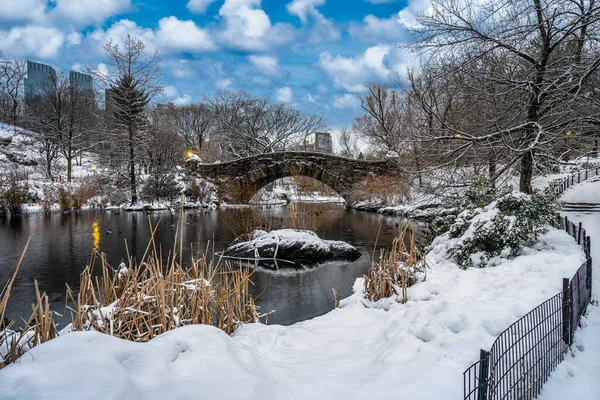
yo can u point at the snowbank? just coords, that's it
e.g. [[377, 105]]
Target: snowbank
[[416, 350]]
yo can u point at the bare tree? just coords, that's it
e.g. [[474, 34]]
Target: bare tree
[[348, 143], [12, 78], [549, 54], [381, 124], [247, 125]]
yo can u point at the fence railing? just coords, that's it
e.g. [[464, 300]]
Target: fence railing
[[576, 178], [523, 356]]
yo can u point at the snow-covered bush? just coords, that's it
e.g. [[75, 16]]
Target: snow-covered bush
[[480, 193], [502, 228]]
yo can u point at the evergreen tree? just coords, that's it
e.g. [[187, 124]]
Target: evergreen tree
[[130, 101]]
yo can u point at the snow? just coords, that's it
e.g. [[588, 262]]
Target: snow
[[361, 350], [289, 241], [588, 192], [578, 377]]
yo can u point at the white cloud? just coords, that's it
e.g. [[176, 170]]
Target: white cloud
[[199, 6], [284, 94], [88, 12], [302, 8], [39, 41], [223, 84], [171, 35], [322, 28], [353, 74], [346, 100], [377, 29], [118, 31], [247, 27], [74, 38], [170, 91], [33, 10], [268, 65], [182, 100], [176, 34]]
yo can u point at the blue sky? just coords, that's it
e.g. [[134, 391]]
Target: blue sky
[[314, 54]]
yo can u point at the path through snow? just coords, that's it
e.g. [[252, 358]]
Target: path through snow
[[578, 377]]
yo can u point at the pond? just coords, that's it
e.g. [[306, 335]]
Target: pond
[[63, 244]]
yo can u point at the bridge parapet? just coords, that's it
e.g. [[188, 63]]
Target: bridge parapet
[[239, 180]]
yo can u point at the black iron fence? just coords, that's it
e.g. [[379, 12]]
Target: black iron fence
[[523, 356], [576, 178]]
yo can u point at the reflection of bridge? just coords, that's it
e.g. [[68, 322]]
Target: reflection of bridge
[[239, 180]]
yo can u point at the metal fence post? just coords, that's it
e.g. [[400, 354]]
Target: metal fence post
[[588, 278], [566, 315], [566, 224], [484, 369], [579, 234]]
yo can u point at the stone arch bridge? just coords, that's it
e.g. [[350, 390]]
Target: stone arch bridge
[[239, 180]]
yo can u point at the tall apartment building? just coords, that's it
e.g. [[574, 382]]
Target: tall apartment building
[[37, 75], [81, 82], [323, 142]]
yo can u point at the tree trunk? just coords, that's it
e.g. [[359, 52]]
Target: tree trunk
[[69, 164], [134, 198], [526, 171], [492, 165]]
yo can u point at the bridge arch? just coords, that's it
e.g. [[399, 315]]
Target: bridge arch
[[239, 180]]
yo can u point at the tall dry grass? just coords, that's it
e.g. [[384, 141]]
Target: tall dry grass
[[139, 301], [396, 270]]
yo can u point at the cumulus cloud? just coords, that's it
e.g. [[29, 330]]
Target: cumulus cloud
[[346, 100], [171, 35], [247, 27], [284, 94], [354, 73], [199, 6], [268, 65], [182, 100], [375, 29], [303, 8], [39, 41], [21, 10], [175, 34], [88, 12], [322, 28]]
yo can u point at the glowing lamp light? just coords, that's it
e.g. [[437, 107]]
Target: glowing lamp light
[[458, 135], [568, 133], [189, 154], [94, 167]]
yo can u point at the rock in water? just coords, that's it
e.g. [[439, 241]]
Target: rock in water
[[292, 245]]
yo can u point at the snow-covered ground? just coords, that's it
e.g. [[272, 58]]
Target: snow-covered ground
[[578, 377], [416, 350]]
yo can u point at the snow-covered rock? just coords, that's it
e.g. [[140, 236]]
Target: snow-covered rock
[[292, 245]]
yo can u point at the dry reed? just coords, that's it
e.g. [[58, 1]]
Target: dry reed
[[397, 269]]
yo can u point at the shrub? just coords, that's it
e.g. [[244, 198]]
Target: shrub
[[503, 228], [479, 194]]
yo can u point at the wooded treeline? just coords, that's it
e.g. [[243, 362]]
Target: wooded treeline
[[510, 86], [139, 141]]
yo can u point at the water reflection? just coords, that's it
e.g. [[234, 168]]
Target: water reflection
[[62, 246], [96, 235]]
